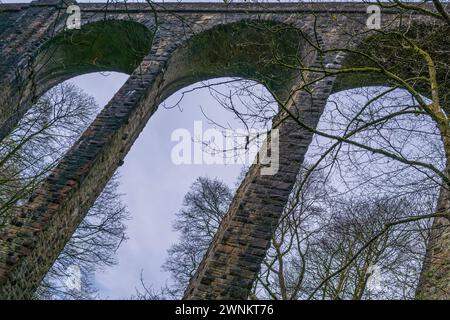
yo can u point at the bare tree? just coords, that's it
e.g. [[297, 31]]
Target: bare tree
[[28, 154], [39, 140], [91, 248], [203, 208], [284, 268], [325, 247], [390, 138], [391, 259]]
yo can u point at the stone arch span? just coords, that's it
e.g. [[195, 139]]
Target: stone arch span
[[243, 49], [246, 49], [105, 45], [404, 63], [101, 46]]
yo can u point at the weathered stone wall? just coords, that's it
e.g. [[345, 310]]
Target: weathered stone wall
[[434, 282], [36, 234]]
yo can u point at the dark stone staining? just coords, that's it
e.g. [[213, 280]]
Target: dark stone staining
[[249, 50], [110, 45], [118, 46], [7, 20], [404, 62]]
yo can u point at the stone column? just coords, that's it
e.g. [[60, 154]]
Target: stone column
[[234, 257], [434, 283]]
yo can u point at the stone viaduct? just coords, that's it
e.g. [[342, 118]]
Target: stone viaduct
[[164, 48]]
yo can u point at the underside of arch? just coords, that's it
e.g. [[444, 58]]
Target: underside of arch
[[397, 57], [108, 45], [263, 51]]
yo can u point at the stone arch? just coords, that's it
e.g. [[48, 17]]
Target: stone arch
[[32, 240], [100, 45], [242, 49], [405, 63], [106, 45], [238, 248], [378, 44]]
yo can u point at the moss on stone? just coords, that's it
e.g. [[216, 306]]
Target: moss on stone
[[110, 45], [392, 52], [249, 50]]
